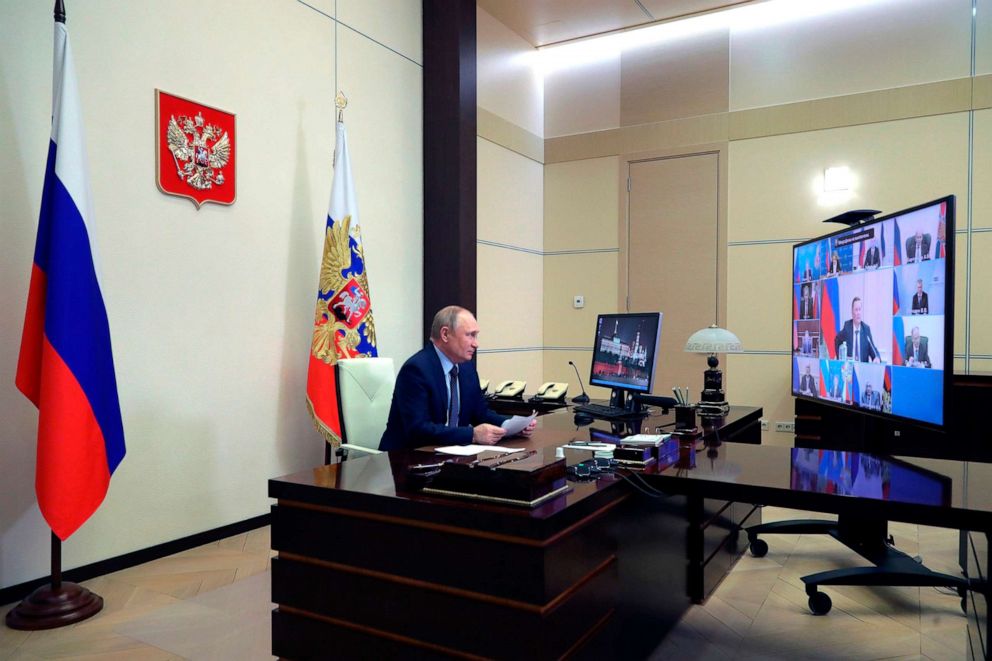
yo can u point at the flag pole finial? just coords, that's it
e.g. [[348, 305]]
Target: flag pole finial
[[59, 11], [341, 101]]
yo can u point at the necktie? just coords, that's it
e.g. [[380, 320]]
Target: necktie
[[453, 404], [857, 346]]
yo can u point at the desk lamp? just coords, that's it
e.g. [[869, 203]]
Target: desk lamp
[[713, 340]]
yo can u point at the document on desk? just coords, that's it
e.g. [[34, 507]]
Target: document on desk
[[644, 439], [518, 423], [471, 450]]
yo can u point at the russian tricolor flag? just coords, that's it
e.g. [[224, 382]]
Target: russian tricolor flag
[[66, 366]]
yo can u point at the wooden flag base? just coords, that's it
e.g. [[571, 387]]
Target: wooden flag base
[[49, 607], [57, 604]]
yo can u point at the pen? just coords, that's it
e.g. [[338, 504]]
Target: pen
[[678, 395]]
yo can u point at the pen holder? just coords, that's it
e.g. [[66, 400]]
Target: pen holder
[[685, 419]]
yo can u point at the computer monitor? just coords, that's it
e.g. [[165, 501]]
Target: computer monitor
[[623, 353], [872, 321]]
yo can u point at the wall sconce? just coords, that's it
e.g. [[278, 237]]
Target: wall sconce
[[836, 179]]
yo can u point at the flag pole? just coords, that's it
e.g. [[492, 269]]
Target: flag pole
[[57, 604]]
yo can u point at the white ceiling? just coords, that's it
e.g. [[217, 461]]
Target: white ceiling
[[543, 22]]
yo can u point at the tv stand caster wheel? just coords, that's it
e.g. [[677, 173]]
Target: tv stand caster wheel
[[759, 548], [819, 603]]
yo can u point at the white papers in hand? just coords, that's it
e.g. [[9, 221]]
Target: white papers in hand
[[517, 423], [470, 450]]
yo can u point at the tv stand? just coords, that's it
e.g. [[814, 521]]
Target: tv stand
[[869, 538]]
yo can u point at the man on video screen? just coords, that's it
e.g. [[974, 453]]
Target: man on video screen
[[857, 336], [921, 303], [806, 305], [916, 350], [806, 384]]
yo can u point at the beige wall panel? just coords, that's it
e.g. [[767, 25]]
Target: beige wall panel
[[841, 52], [594, 275], [961, 292], [759, 295], [981, 172], [978, 366], [509, 280], [983, 37], [581, 204], [513, 366], [959, 366], [582, 98], [395, 23], [385, 140], [981, 294], [775, 183], [704, 130], [510, 197], [982, 91], [672, 79], [508, 82], [494, 128], [761, 380], [582, 146]]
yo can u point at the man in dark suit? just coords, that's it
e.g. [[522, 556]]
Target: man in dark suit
[[871, 400], [873, 258], [437, 399], [921, 304], [916, 349], [807, 386], [860, 345], [807, 305], [918, 247], [836, 391]]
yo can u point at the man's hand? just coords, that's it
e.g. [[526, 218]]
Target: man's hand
[[529, 428], [485, 434]]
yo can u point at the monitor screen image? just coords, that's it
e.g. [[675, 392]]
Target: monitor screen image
[[867, 476], [624, 350], [872, 315]]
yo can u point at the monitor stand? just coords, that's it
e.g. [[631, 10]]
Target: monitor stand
[[620, 400]]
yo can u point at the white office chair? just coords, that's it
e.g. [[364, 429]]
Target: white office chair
[[365, 393]]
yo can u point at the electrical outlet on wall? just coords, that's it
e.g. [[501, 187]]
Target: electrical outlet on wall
[[579, 301], [764, 424], [783, 426]]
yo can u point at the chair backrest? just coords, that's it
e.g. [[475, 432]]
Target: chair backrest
[[365, 392]]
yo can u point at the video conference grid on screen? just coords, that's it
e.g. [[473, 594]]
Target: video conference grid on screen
[[624, 350], [868, 322]]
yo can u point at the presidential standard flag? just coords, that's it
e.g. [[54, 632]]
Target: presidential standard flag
[[66, 366], [343, 325]]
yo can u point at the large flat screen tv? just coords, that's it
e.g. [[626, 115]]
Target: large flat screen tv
[[873, 315]]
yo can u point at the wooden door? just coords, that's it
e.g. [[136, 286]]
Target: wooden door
[[672, 254]]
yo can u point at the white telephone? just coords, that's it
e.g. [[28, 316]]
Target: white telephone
[[484, 385], [552, 391], [511, 389]]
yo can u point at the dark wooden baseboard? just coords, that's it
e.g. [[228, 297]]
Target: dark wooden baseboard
[[141, 556]]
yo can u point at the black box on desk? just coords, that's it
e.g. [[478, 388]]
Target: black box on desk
[[526, 481]]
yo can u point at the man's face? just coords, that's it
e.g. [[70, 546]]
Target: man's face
[[919, 287], [807, 370], [868, 390], [856, 313], [460, 343], [919, 236], [916, 337]]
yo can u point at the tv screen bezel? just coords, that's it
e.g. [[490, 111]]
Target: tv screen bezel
[[593, 381], [950, 222]]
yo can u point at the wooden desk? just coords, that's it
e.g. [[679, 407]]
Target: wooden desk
[[368, 567]]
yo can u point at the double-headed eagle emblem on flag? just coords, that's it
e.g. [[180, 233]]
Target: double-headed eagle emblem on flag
[[343, 304]]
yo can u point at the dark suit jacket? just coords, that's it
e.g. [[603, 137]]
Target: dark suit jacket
[[420, 405], [923, 356], [873, 257], [911, 248], [806, 384], [846, 334], [921, 303]]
